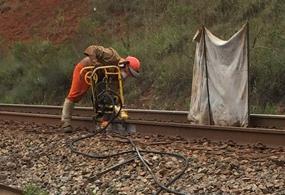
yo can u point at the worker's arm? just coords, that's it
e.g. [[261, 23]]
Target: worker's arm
[[86, 61], [102, 56]]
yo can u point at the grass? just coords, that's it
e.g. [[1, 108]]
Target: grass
[[33, 189]]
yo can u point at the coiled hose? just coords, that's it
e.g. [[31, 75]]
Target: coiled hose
[[137, 154]]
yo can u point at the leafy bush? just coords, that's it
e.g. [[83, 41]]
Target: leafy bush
[[32, 189], [160, 34], [36, 73]]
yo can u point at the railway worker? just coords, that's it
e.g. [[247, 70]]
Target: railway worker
[[94, 56]]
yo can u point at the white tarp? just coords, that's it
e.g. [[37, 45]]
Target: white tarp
[[223, 97]]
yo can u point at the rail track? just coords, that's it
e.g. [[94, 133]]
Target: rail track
[[6, 190], [265, 129]]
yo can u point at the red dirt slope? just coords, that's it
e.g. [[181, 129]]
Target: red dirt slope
[[55, 20]]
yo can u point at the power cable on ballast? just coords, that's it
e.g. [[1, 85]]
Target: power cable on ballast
[[136, 151]]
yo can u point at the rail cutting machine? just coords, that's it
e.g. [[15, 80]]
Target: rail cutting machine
[[107, 91]]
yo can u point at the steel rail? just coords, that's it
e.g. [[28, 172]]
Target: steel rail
[[7, 190], [272, 137], [256, 120]]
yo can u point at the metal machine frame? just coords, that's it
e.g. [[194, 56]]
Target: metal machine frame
[[105, 99]]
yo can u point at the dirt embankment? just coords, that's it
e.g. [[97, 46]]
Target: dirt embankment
[[54, 20]]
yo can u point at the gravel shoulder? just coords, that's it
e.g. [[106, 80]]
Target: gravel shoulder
[[38, 154]]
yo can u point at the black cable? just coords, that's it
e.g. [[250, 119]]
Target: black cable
[[162, 187], [111, 168], [135, 150]]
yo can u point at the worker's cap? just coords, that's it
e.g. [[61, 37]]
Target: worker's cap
[[133, 65]]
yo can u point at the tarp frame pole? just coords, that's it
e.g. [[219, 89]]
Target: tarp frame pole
[[207, 77], [247, 44]]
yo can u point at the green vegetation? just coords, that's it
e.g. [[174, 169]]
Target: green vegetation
[[36, 72], [32, 189], [160, 34]]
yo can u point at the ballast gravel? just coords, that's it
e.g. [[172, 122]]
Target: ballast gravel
[[39, 154]]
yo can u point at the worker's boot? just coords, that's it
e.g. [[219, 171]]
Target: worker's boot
[[66, 116]]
